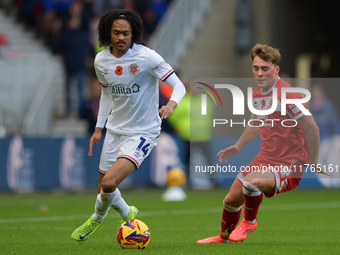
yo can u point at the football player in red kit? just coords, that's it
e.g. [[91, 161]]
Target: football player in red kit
[[285, 150]]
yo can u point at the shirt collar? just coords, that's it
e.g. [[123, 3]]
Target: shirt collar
[[269, 90]]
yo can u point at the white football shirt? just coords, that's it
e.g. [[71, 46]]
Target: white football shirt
[[133, 81]]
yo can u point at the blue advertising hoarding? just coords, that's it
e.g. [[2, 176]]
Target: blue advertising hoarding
[[29, 164]]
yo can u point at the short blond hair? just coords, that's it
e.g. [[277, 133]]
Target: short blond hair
[[266, 53]]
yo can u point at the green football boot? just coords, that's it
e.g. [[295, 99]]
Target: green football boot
[[86, 230], [132, 214]]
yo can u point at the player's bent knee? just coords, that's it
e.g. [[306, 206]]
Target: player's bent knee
[[108, 185], [234, 200]]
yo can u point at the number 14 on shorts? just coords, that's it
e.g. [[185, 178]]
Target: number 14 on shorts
[[142, 146]]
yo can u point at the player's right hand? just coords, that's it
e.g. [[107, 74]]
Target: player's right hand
[[97, 135], [227, 153]]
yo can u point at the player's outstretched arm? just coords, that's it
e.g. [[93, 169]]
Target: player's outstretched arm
[[97, 135], [312, 137], [248, 135]]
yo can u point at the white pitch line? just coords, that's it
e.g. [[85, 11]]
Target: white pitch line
[[37, 219], [283, 207]]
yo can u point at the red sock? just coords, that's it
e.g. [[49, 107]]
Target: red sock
[[251, 207], [230, 218], [253, 198]]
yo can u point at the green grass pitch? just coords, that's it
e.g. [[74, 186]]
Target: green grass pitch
[[297, 222]]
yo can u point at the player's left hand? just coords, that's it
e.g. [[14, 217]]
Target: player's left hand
[[319, 169], [167, 109], [323, 172], [165, 112]]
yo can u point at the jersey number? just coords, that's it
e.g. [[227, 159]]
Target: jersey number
[[143, 147]]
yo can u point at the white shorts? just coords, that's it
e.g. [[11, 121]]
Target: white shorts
[[134, 148]]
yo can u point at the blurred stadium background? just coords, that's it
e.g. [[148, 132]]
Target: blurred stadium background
[[43, 146]]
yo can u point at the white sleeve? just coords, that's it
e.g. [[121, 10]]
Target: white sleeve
[[100, 73], [158, 67], [178, 88], [105, 105]]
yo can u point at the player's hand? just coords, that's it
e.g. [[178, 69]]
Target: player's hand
[[227, 153], [97, 135], [319, 169], [167, 109]]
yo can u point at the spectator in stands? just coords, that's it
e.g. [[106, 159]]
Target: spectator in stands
[[94, 34], [91, 106], [48, 18], [50, 27], [56, 15], [324, 112], [150, 23], [141, 6], [129, 5], [99, 7], [29, 11], [159, 7], [60, 6], [76, 48]]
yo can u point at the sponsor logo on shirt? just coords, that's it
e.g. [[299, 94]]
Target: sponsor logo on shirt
[[124, 92]]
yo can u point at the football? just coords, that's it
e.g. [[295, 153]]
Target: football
[[176, 177], [133, 234]]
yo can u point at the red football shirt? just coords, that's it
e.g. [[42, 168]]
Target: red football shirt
[[280, 145]]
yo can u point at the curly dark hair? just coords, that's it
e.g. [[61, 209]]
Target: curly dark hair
[[105, 24]]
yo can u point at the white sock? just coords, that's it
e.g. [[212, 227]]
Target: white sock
[[103, 203], [120, 205], [231, 208]]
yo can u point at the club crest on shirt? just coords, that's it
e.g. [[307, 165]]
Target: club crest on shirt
[[133, 69]]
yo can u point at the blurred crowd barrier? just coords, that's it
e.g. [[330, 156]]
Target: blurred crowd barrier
[[35, 164]]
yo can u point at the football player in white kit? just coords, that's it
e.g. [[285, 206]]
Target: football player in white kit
[[129, 74]]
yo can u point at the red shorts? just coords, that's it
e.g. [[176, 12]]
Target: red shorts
[[287, 177]]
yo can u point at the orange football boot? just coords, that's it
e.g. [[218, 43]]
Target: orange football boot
[[242, 231], [214, 239]]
